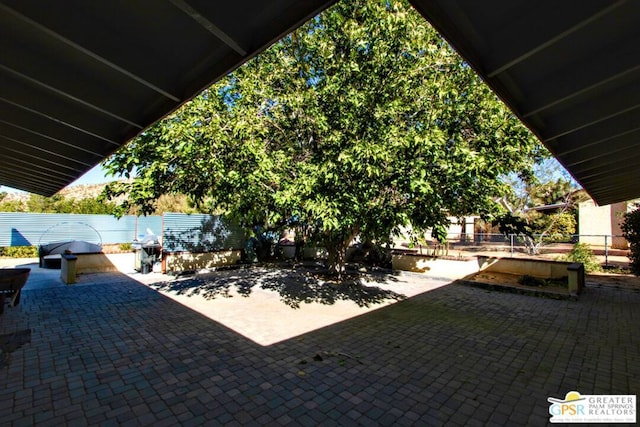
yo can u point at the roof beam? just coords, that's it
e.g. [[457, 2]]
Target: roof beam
[[32, 183], [62, 122], [614, 141], [88, 52], [46, 160], [613, 162], [46, 172], [610, 195], [35, 147], [618, 128], [69, 96], [589, 123], [620, 171], [581, 91], [184, 6], [51, 138], [15, 174], [553, 40]]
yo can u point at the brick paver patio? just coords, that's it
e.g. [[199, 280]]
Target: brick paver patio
[[116, 352]]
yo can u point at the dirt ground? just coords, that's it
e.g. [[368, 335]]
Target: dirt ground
[[615, 269], [594, 279]]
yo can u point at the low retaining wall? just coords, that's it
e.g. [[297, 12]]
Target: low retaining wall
[[556, 270], [457, 269], [521, 266], [434, 266], [172, 262], [187, 261], [101, 262]]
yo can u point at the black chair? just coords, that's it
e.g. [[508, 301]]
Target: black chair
[[11, 282]]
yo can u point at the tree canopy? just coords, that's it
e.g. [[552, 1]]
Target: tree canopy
[[551, 189], [549, 183], [359, 122]]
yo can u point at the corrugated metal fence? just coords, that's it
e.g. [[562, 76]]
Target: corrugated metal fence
[[31, 229], [200, 233], [180, 232]]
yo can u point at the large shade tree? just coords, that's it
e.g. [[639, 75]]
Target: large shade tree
[[359, 122]]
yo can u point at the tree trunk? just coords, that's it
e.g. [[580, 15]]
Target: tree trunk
[[336, 245], [299, 242], [336, 259]]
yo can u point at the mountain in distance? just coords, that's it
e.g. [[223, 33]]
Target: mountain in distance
[[76, 192]]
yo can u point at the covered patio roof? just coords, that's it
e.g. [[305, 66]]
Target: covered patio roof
[[570, 70], [79, 79]]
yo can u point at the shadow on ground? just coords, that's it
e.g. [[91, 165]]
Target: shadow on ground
[[113, 352], [11, 342], [295, 286]]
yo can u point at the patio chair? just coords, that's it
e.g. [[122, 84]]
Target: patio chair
[[11, 282]]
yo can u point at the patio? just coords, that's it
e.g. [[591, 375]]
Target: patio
[[112, 350]]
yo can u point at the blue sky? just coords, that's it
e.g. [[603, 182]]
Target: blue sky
[[94, 176]]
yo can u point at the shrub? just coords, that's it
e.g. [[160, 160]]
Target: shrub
[[582, 252], [531, 281], [631, 231], [536, 282], [19, 251], [125, 246], [557, 227]]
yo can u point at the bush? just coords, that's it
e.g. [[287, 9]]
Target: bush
[[527, 280], [559, 227], [531, 281], [125, 246], [19, 252], [631, 231], [582, 252]]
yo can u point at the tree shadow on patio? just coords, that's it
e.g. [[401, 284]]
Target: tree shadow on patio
[[11, 342], [295, 286]]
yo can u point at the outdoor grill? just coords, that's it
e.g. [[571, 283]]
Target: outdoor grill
[[147, 251]]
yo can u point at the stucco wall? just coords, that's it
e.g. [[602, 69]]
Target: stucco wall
[[596, 221]]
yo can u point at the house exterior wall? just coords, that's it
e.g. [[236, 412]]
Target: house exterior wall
[[594, 222]]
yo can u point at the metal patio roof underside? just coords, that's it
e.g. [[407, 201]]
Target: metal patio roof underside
[[569, 69], [80, 78]]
